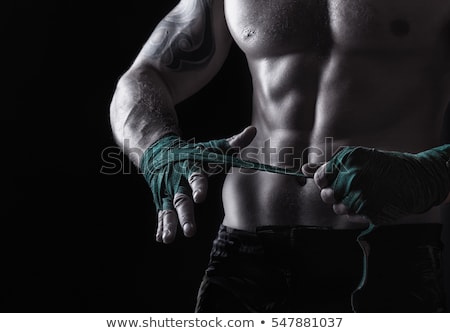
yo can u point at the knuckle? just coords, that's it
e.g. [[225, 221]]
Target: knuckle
[[319, 179], [167, 214], [323, 195], [341, 209], [327, 195], [336, 209], [196, 177], [181, 199], [184, 218], [231, 139]]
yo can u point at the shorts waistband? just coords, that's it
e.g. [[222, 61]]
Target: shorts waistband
[[406, 234]]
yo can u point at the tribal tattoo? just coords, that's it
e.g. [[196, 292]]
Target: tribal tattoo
[[184, 39]]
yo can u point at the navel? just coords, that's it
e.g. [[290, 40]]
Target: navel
[[399, 27], [248, 33]]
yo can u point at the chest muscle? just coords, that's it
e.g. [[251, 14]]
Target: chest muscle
[[270, 27]]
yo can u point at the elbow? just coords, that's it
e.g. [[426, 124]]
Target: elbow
[[118, 106], [127, 91]]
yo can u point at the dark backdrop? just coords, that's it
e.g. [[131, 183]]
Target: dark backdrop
[[80, 240], [76, 239]]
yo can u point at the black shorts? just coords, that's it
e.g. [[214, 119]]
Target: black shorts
[[308, 269]]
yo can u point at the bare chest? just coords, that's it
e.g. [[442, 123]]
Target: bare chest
[[270, 27]]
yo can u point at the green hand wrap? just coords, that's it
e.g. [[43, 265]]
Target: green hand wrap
[[388, 185], [170, 161]]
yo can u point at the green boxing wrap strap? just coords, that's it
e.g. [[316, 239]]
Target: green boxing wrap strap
[[387, 185], [170, 161], [417, 183]]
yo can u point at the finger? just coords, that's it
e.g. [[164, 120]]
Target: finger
[[309, 169], [199, 186], [320, 177], [340, 209], [327, 195], [244, 138], [159, 228], [170, 222], [185, 210]]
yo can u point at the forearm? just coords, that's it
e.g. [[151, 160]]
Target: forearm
[[142, 110], [183, 53]]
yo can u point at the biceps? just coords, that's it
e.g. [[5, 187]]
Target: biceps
[[184, 39]]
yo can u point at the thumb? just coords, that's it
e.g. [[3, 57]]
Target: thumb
[[243, 139]]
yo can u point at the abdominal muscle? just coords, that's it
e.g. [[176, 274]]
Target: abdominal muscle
[[344, 109], [252, 199]]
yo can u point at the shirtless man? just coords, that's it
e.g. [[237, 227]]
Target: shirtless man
[[326, 74]]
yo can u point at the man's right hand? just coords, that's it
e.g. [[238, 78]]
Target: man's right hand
[[175, 202]]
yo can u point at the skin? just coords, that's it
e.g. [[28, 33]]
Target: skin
[[325, 74]]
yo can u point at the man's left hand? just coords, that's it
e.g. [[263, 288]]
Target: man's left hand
[[381, 186]]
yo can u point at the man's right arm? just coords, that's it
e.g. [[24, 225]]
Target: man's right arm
[[183, 53], [186, 49]]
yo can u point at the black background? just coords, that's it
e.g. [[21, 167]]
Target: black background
[[75, 239], [80, 240]]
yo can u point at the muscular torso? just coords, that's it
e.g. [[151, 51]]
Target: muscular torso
[[374, 73]]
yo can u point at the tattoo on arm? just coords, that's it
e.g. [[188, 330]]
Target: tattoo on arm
[[184, 39]]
